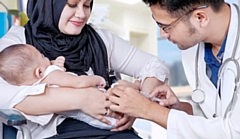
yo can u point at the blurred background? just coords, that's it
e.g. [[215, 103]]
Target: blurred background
[[131, 20]]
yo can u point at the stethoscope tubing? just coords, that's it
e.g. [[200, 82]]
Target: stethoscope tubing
[[197, 92]]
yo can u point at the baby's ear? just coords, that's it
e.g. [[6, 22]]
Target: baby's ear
[[38, 73]]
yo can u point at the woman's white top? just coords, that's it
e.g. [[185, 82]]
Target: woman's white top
[[122, 57]]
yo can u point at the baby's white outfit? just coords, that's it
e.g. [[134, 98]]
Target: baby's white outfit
[[78, 114]]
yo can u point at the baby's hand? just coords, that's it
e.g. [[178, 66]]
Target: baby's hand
[[59, 61], [101, 81]]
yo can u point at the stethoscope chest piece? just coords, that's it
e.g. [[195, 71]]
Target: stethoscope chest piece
[[198, 96]]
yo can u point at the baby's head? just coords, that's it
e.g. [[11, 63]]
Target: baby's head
[[22, 64]]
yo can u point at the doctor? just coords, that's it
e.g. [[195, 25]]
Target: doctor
[[208, 33]]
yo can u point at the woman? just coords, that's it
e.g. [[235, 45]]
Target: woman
[[58, 28]]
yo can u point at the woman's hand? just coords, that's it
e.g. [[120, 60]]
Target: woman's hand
[[96, 104], [124, 123], [167, 96]]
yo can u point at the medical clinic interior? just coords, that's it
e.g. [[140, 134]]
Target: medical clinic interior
[[132, 21]]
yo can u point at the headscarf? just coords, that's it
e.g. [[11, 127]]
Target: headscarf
[[80, 51]]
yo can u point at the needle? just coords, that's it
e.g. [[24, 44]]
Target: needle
[[143, 93], [153, 99]]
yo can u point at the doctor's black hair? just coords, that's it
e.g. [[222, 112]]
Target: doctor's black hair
[[177, 8]]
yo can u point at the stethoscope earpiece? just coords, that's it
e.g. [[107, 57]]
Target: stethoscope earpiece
[[214, 115]]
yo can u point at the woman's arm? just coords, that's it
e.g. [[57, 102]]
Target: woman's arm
[[90, 101], [127, 59], [149, 84], [15, 35], [134, 62]]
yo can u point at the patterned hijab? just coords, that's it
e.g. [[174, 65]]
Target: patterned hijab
[[81, 51]]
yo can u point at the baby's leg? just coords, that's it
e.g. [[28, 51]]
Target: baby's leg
[[90, 120]]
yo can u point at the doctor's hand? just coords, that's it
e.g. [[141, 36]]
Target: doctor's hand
[[124, 121], [165, 93], [129, 101], [169, 99]]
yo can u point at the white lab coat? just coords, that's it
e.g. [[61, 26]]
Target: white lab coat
[[204, 126]]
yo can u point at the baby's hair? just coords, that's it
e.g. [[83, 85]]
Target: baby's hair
[[16, 63]]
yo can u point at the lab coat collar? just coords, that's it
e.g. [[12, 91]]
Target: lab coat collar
[[227, 85], [208, 106]]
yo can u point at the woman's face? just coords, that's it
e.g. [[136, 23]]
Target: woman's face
[[74, 16]]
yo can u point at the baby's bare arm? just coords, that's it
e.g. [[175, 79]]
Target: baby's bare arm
[[65, 79]]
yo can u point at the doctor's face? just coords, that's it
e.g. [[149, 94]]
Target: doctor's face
[[179, 31], [74, 16]]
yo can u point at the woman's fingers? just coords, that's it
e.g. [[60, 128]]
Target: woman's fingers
[[96, 104], [124, 123], [103, 119], [114, 114]]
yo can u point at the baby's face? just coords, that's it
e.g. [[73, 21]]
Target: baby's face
[[42, 61]]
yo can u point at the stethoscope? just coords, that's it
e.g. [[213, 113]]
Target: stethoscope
[[198, 95]]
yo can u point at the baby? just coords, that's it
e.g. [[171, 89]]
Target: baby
[[23, 64]]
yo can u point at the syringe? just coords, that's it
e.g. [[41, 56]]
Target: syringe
[[153, 99]]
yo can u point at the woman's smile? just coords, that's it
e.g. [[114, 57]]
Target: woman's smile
[[76, 23]]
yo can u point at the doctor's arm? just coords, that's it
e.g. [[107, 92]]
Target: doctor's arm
[[128, 101]]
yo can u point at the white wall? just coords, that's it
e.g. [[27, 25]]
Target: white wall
[[142, 30], [133, 24], [11, 4]]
